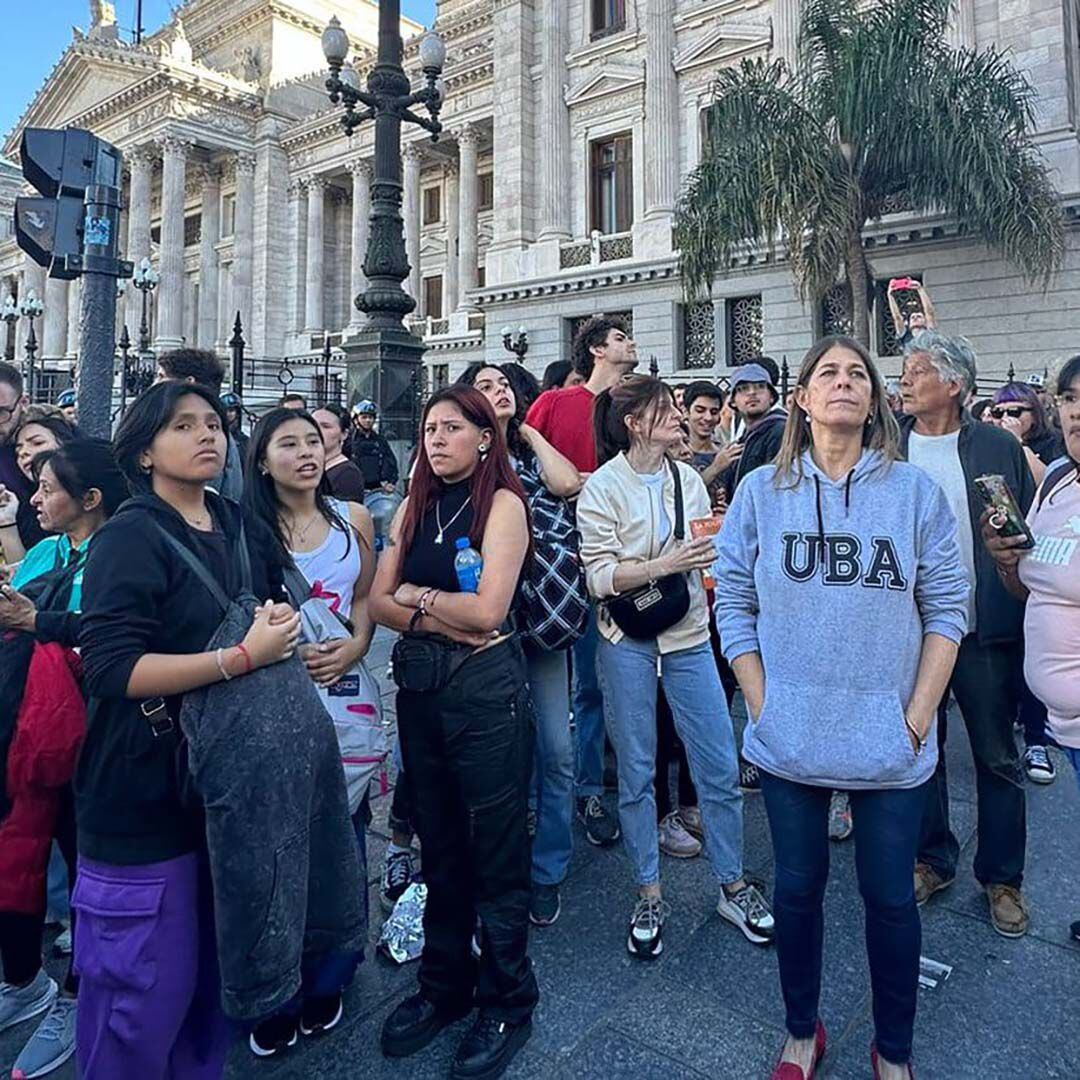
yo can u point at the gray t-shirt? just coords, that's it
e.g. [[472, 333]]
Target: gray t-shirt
[[939, 455]]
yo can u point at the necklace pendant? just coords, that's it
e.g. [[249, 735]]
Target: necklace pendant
[[438, 538]]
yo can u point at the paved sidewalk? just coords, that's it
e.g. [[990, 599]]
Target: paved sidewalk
[[711, 1007]]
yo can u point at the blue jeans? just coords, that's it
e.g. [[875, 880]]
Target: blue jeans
[[553, 769], [886, 839], [588, 715], [692, 686], [1074, 757]]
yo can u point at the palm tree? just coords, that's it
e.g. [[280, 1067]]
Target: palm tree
[[879, 107]]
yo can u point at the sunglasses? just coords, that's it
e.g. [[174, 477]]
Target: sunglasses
[[999, 412]]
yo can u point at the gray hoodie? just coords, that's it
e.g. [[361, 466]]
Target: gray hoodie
[[840, 637]]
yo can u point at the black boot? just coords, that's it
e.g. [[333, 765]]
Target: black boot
[[488, 1048], [414, 1023]]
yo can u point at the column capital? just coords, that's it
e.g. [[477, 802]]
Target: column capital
[[142, 156], [361, 168], [316, 182], [467, 135], [245, 163], [411, 153], [208, 175], [297, 187], [174, 145]]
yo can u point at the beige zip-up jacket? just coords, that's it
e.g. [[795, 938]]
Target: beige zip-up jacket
[[619, 524]]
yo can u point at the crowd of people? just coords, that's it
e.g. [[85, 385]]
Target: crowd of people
[[582, 574]]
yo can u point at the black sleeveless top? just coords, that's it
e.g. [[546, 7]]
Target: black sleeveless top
[[427, 562]]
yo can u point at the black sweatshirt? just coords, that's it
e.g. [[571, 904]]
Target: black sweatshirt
[[139, 598]]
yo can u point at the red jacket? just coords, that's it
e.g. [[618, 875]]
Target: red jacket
[[49, 729]]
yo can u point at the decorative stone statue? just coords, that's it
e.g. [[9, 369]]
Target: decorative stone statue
[[103, 21]]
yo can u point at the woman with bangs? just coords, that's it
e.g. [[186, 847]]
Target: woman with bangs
[[465, 732]]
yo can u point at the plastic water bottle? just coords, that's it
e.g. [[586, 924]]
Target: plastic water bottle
[[468, 565]]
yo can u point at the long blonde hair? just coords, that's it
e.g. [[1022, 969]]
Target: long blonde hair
[[881, 432]]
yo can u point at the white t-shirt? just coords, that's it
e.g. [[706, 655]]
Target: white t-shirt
[[654, 482], [939, 455]]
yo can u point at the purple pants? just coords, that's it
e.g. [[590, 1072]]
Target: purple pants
[[150, 993]]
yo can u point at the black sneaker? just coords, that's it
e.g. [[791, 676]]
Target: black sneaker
[[488, 1048], [647, 927], [749, 777], [320, 1014], [414, 1023], [397, 875], [544, 905], [601, 826], [273, 1037]]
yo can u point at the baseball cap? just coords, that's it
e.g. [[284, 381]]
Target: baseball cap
[[365, 406], [751, 373]]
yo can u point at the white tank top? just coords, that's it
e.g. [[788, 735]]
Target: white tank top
[[334, 566]]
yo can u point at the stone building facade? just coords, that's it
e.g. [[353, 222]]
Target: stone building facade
[[570, 125]]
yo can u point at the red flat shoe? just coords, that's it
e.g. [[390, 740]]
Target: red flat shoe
[[874, 1064], [788, 1070]]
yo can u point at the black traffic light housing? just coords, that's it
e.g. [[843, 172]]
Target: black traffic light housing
[[61, 164]]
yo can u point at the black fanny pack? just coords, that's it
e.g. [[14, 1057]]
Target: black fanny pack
[[656, 606], [423, 663]]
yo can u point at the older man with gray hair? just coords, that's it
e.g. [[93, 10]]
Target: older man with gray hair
[[939, 435]]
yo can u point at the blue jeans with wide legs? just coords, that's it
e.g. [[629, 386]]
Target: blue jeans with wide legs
[[628, 680], [886, 837], [588, 715], [553, 769]]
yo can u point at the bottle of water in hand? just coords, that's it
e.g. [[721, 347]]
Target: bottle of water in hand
[[468, 566]]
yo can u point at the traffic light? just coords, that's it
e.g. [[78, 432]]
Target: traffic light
[[61, 164]]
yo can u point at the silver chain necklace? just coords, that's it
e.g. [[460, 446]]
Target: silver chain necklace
[[438, 519]]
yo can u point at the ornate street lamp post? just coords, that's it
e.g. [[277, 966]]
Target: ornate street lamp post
[[146, 280], [518, 343], [31, 308], [382, 357]]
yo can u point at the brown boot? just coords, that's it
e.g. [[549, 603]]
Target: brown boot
[[1008, 910], [927, 882]]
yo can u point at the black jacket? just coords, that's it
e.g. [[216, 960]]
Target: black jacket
[[760, 447], [985, 449], [372, 453], [138, 598]]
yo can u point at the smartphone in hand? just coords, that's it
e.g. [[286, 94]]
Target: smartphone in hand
[[1005, 515]]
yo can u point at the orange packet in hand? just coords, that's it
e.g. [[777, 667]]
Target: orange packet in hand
[[709, 526]]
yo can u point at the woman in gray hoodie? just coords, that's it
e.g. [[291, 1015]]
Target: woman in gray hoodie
[[839, 551]]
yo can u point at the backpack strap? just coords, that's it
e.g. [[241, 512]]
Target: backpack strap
[[296, 585], [680, 531], [1051, 481], [192, 563]]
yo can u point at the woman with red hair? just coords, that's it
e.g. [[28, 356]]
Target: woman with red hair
[[466, 735]]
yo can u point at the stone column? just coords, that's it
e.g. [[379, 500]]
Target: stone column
[[243, 242], [209, 233], [141, 160], [555, 125], [316, 208], [361, 212], [468, 146], [661, 110], [170, 293], [298, 259], [785, 31], [54, 332], [961, 30], [453, 224], [411, 214], [75, 316]]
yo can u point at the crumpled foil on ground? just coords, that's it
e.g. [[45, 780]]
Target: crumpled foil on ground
[[402, 935]]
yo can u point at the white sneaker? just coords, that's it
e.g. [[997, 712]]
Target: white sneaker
[[19, 1003], [1038, 766], [51, 1045], [749, 911]]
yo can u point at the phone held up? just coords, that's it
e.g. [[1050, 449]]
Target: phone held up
[[1005, 515]]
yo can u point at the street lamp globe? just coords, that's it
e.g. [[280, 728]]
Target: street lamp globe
[[335, 43], [432, 52], [31, 307], [349, 77]]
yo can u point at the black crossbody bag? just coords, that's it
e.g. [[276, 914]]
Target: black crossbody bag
[[649, 610]]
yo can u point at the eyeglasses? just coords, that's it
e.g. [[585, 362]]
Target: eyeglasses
[[7, 412], [1069, 400], [1014, 412]]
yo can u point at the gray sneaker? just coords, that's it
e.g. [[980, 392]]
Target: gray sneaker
[[51, 1045], [675, 839], [840, 820], [19, 1003]]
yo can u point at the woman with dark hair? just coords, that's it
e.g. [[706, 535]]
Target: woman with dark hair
[[79, 488], [542, 470], [150, 1001], [560, 374], [331, 543], [841, 537], [1018, 409], [41, 428], [1048, 578], [343, 476], [523, 383], [633, 513], [463, 721]]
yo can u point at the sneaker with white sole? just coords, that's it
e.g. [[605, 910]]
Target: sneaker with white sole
[[51, 1045], [749, 777], [320, 1014], [601, 825], [840, 820], [19, 1003], [62, 944], [749, 911], [1038, 766], [274, 1036], [647, 927], [675, 839], [396, 878]]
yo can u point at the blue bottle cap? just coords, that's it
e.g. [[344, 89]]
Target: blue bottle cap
[[461, 543]]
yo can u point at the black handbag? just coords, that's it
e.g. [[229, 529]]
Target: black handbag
[[649, 610]]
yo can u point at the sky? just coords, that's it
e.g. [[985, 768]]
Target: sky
[[33, 42]]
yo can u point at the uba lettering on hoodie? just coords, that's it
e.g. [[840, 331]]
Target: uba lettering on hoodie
[[835, 583]]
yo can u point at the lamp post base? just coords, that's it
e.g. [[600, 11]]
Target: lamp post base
[[385, 366]]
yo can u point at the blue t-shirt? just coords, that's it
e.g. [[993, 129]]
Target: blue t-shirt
[[52, 553]]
